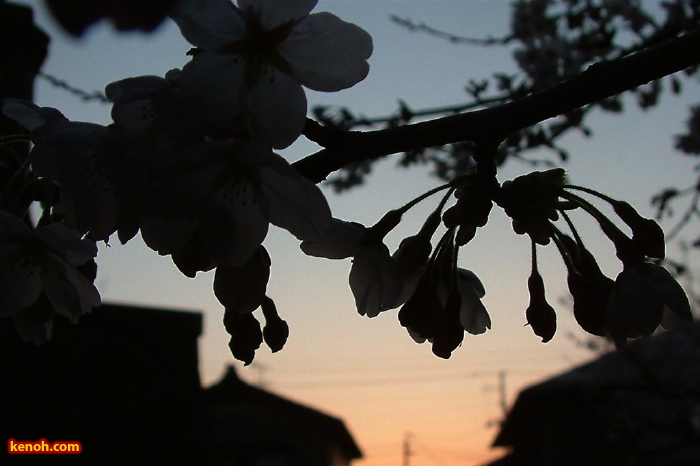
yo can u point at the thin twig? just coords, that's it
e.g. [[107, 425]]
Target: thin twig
[[455, 39], [84, 95]]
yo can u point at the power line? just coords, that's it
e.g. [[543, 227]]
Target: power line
[[388, 380]]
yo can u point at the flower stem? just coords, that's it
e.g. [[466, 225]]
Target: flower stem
[[626, 251], [604, 222], [592, 192], [425, 195]]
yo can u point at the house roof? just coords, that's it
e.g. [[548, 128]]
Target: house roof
[[644, 396], [232, 389]]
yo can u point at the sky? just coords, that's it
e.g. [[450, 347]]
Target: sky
[[369, 372]]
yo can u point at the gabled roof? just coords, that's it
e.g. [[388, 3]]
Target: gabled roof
[[645, 397], [231, 389]]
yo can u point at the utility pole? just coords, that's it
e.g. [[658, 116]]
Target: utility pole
[[502, 398], [502, 393], [407, 448]]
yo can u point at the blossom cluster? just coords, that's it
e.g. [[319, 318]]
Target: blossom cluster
[[439, 300], [188, 162], [643, 296]]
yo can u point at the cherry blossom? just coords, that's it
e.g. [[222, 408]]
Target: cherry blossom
[[412, 256], [84, 160], [252, 60], [375, 278], [214, 202], [153, 115], [644, 297], [43, 261], [440, 314]]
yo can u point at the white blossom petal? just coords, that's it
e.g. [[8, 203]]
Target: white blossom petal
[[277, 105], [273, 13], [82, 158], [132, 98], [234, 233], [472, 315], [71, 294], [20, 281], [209, 23], [137, 87], [327, 53], [341, 240], [295, 203], [165, 235], [32, 324], [671, 292], [73, 249], [634, 309], [212, 83], [471, 278], [241, 86], [374, 279], [30, 116]]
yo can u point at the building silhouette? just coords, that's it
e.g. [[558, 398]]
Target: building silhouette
[[125, 383], [637, 406]]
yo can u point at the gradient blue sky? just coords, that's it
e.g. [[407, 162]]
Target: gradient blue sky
[[369, 372]]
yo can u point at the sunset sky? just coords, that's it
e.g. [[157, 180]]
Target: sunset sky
[[369, 372]]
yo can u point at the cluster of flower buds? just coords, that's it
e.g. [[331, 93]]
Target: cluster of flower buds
[[188, 162], [439, 301], [642, 297]]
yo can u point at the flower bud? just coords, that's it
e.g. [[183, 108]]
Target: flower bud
[[276, 330], [470, 210], [465, 234], [421, 313], [532, 201], [646, 233], [242, 288], [540, 315], [449, 334], [588, 286], [246, 336], [385, 224]]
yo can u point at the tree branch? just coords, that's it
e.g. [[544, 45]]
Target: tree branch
[[598, 82]]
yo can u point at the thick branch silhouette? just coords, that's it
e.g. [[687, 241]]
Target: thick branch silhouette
[[492, 125]]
